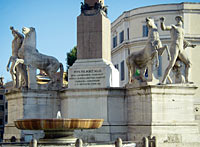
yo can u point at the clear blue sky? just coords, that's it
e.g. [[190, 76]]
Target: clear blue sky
[[55, 23]]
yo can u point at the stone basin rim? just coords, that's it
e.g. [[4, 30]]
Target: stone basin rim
[[60, 119], [58, 124]]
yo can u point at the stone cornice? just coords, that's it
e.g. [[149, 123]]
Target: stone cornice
[[142, 41], [125, 16]]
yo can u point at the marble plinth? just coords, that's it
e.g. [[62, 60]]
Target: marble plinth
[[163, 111]]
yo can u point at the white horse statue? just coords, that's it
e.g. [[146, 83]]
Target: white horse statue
[[30, 56], [143, 59]]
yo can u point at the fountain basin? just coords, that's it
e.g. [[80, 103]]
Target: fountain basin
[[58, 124], [58, 131]]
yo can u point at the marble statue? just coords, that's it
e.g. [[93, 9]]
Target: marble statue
[[118, 142], [98, 6], [142, 59], [79, 143], [177, 68], [29, 56], [177, 47], [20, 77]]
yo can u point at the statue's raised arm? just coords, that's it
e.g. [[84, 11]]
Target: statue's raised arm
[[163, 26], [15, 32]]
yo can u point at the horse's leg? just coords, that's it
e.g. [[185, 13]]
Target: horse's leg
[[132, 72], [19, 76], [51, 73], [23, 73], [169, 79], [153, 55], [142, 74], [161, 50], [157, 59]]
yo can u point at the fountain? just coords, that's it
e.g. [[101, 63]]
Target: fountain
[[58, 130]]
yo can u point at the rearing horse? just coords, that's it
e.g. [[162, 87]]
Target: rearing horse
[[29, 55], [144, 58]]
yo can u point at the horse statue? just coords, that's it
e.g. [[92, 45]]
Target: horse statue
[[29, 55], [144, 58]]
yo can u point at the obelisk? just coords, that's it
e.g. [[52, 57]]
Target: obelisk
[[93, 68]]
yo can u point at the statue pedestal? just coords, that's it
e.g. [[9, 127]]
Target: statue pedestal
[[32, 79], [163, 111], [24, 104]]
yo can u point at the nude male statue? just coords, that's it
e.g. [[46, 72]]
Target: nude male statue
[[177, 47], [21, 69]]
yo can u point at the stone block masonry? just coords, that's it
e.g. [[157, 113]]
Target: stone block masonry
[[24, 104], [163, 111]]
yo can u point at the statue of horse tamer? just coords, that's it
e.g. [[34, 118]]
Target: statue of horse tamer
[[144, 58]]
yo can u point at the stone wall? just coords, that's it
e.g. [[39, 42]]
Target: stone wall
[[163, 111], [24, 104], [97, 103]]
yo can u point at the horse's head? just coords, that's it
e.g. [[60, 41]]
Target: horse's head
[[27, 31], [30, 36], [150, 22]]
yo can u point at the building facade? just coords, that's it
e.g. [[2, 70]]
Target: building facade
[[3, 109], [129, 34]]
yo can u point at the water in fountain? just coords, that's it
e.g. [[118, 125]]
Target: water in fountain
[[59, 115]]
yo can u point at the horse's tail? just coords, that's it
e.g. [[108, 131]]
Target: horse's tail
[[61, 74]]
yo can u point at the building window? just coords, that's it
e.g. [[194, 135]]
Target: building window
[[1, 107], [122, 70], [6, 105], [1, 97], [117, 66], [114, 41], [1, 121], [145, 31], [128, 33], [121, 36], [160, 66], [6, 118], [146, 73]]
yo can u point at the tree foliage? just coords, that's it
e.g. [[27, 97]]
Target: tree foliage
[[71, 57]]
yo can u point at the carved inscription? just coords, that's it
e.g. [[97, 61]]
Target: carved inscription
[[87, 77]]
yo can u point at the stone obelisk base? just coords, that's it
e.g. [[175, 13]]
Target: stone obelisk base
[[93, 73]]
